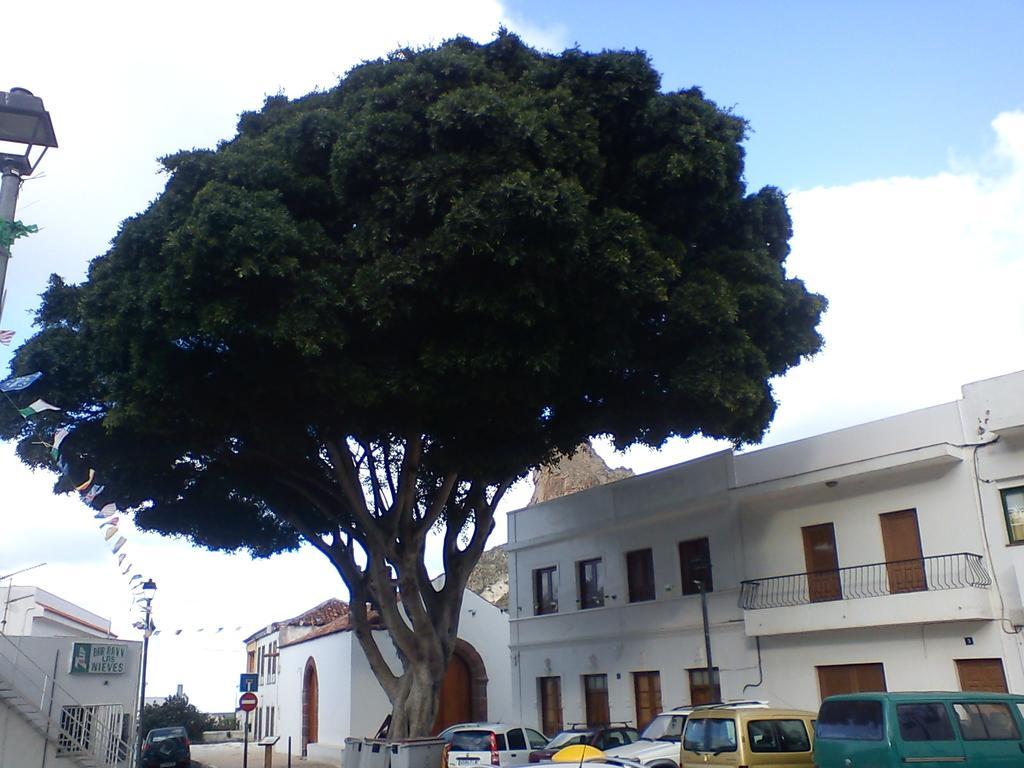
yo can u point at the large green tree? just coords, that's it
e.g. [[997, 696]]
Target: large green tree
[[362, 318]]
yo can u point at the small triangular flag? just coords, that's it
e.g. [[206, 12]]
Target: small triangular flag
[[111, 532], [37, 407], [82, 487], [120, 543], [58, 438]]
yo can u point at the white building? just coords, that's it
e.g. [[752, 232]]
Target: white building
[[38, 613], [879, 556], [68, 688], [323, 689]]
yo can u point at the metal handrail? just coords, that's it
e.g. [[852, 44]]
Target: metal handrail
[[77, 730], [957, 570]]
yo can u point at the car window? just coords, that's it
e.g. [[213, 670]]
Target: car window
[[471, 741], [924, 722], [778, 736], [851, 719], [630, 735], [611, 739], [500, 739], [516, 739], [665, 728], [793, 735], [568, 739], [710, 735], [537, 740], [986, 721]]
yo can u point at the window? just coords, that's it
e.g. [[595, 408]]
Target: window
[[924, 722], [778, 736], [710, 734], [640, 575], [516, 739], [591, 583], [704, 689], [695, 564], [250, 662], [550, 704], [595, 694], [854, 720], [986, 722], [647, 695], [545, 591], [537, 740], [76, 725], [1013, 507]]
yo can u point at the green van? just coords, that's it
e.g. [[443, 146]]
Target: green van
[[924, 730]]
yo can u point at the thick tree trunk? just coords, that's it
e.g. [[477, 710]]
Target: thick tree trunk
[[386, 513]]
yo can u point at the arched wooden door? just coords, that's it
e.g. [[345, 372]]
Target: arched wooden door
[[456, 704], [310, 705]]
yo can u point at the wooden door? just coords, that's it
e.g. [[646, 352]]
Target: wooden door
[[982, 675], [595, 689], [822, 562], [902, 540], [310, 705], [850, 678], [456, 704], [550, 705], [647, 695]]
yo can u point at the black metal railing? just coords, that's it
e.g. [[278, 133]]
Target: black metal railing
[[937, 572]]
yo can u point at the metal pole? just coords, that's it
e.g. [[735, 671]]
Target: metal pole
[[10, 185], [245, 742], [142, 691], [289, 752], [707, 636], [49, 709]]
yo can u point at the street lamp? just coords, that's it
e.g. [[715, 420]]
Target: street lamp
[[148, 591], [26, 132]]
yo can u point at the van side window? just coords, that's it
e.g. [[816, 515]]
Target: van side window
[[851, 719], [924, 722], [980, 722], [778, 736], [710, 735]]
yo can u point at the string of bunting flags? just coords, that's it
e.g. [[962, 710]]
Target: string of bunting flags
[[88, 488], [108, 515]]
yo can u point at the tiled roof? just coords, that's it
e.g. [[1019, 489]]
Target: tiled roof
[[340, 624], [317, 616]]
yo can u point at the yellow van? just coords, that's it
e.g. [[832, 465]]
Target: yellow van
[[747, 737]]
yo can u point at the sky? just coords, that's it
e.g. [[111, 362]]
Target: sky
[[896, 130]]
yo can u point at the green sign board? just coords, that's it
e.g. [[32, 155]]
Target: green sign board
[[99, 659]]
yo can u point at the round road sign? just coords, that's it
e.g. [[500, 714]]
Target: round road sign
[[247, 702]]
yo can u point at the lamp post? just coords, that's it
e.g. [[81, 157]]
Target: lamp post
[[148, 591], [25, 128]]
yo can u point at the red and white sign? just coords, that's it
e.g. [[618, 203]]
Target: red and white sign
[[247, 702]]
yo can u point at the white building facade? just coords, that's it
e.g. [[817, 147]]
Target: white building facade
[[68, 688], [326, 691], [882, 556]]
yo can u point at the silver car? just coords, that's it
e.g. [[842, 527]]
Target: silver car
[[496, 744]]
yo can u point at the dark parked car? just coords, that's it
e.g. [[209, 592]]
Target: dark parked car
[[166, 748], [602, 737]]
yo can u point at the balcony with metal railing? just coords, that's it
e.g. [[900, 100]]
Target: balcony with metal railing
[[937, 588]]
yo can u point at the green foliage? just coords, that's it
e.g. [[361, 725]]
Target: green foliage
[[12, 230], [499, 250], [177, 711]]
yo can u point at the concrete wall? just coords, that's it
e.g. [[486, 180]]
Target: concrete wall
[[33, 611]]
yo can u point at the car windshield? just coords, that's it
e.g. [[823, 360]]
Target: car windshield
[[568, 739], [664, 728]]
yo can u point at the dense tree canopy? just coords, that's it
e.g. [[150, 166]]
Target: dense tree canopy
[[175, 711], [365, 315]]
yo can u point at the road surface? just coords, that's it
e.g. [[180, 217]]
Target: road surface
[[230, 756]]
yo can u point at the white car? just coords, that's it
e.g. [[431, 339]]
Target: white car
[[658, 745], [497, 744]]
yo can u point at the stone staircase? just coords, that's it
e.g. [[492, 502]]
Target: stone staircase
[[74, 731]]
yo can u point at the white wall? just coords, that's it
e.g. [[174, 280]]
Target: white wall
[[33, 611], [34, 659], [332, 654]]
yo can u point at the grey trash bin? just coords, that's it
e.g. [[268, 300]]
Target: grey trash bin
[[374, 754], [353, 753], [416, 753]]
